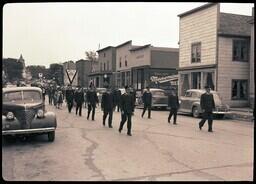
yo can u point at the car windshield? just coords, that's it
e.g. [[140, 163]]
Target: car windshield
[[160, 93], [22, 96]]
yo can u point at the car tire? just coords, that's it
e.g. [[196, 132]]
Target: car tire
[[220, 116], [195, 112], [51, 136]]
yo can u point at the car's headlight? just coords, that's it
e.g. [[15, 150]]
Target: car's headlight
[[40, 113], [10, 116]]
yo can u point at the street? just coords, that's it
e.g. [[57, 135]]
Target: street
[[157, 151]]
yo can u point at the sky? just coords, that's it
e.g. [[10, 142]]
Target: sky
[[46, 33]]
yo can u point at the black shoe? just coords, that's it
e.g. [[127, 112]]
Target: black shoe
[[103, 124], [210, 131], [110, 126], [200, 127], [119, 130], [175, 123], [129, 134], [168, 121], [149, 117]]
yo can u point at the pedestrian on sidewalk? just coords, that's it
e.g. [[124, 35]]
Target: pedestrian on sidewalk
[[207, 105], [147, 100], [92, 100], [173, 103], [69, 97], [127, 105], [107, 106], [59, 98], [79, 99]]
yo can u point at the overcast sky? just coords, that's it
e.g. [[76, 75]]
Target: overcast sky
[[46, 33]]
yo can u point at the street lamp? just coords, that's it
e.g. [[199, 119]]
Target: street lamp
[[105, 80]]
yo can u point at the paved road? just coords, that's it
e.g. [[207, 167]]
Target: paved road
[[157, 151]]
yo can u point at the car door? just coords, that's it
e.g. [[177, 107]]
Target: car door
[[184, 102]]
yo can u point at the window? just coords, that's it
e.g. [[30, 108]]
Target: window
[[196, 80], [188, 94], [104, 66], [239, 89], [100, 66], [125, 63], [194, 95], [120, 64], [107, 65], [104, 54], [196, 52], [240, 50]]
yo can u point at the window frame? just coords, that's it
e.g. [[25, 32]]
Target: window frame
[[239, 83], [247, 44], [197, 59]]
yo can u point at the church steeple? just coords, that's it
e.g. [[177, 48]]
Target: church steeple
[[21, 58]]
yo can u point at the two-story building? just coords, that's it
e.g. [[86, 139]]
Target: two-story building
[[214, 50], [83, 68]]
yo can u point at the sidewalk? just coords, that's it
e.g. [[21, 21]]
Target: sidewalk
[[244, 114]]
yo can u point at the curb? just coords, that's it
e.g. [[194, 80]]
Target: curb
[[242, 117]]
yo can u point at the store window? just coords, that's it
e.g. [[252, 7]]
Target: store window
[[239, 89], [208, 78], [196, 52], [240, 50], [184, 81], [196, 80]]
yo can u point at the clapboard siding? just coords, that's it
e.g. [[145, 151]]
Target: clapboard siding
[[228, 70], [201, 27]]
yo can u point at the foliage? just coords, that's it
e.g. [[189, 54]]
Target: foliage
[[13, 69]]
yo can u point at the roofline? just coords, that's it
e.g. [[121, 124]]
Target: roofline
[[196, 9], [130, 41], [108, 47], [140, 47]]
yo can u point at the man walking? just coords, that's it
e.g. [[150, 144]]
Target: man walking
[[173, 103], [69, 97], [207, 105], [147, 99], [107, 106], [127, 105], [79, 99], [92, 99]]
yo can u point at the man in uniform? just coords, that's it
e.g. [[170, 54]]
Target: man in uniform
[[69, 97], [107, 106], [92, 99], [173, 103], [127, 105], [207, 105], [147, 100], [79, 99]]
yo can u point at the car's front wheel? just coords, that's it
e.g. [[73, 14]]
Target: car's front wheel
[[195, 112], [51, 136]]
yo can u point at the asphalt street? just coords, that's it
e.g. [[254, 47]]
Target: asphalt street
[[85, 150]]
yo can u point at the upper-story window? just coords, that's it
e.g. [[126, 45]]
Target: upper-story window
[[104, 54], [120, 62], [125, 63], [196, 52], [240, 50], [107, 65], [104, 66]]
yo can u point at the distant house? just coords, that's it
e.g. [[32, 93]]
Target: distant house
[[214, 50], [83, 68]]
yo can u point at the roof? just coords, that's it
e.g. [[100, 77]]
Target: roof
[[233, 24], [21, 89], [105, 48], [125, 43], [140, 47], [196, 9]]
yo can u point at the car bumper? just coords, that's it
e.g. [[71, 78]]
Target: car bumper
[[28, 131], [220, 112]]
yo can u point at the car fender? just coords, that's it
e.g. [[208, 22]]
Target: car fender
[[51, 117], [196, 104]]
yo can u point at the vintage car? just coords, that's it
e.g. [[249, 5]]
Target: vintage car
[[190, 103], [159, 99], [23, 113]]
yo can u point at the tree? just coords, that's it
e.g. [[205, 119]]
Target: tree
[[92, 57], [13, 69], [56, 72], [35, 70]]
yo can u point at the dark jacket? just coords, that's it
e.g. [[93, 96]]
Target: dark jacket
[[173, 101], [91, 97], [127, 103], [79, 97], [147, 98], [69, 95], [117, 96], [207, 102], [107, 101]]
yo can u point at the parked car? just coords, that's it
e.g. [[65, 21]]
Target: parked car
[[24, 113], [100, 92], [159, 99], [190, 103]]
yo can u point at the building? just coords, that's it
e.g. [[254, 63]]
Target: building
[[22, 61], [214, 50], [252, 75], [69, 73], [83, 68], [104, 72], [154, 66]]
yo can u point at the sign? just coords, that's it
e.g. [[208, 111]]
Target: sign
[[40, 75], [164, 79], [71, 75]]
